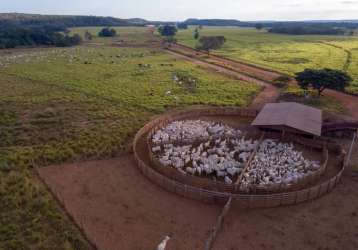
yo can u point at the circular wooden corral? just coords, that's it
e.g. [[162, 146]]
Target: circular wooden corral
[[213, 192]]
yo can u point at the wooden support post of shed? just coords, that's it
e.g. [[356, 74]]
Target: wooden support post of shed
[[209, 242], [283, 133]]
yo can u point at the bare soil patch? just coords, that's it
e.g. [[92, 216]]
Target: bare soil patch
[[328, 223], [118, 208]]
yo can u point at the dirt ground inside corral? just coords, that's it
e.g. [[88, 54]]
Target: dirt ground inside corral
[[325, 224], [119, 209]]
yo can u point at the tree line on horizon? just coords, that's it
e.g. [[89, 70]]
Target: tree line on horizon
[[48, 35]]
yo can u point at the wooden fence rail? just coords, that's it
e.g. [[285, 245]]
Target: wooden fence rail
[[191, 191]]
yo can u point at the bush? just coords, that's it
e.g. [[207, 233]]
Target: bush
[[88, 36], [107, 32], [208, 43]]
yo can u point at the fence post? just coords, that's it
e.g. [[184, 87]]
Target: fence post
[[351, 149], [209, 243]]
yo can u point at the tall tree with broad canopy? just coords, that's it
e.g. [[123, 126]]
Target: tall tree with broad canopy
[[321, 79], [167, 30], [208, 43]]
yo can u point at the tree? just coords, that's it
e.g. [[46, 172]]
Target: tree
[[88, 36], [167, 30], [182, 26], [196, 34], [208, 43], [14, 36], [259, 26], [107, 32], [321, 79]]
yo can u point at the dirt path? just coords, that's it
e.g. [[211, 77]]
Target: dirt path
[[254, 71], [350, 101], [269, 94]]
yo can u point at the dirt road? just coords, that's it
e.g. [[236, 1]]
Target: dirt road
[[265, 75]]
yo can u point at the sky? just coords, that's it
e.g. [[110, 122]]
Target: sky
[[179, 10]]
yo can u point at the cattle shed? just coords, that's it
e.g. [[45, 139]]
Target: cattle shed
[[290, 117]]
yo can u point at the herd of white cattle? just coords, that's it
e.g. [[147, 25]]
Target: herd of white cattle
[[220, 152]]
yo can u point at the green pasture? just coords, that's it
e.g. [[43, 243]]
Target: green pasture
[[74, 104], [284, 53], [133, 35]]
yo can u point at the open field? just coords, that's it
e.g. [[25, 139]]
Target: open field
[[60, 105], [284, 53], [86, 103], [132, 35]]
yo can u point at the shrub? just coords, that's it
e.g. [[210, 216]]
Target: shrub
[[208, 43], [107, 32], [282, 81]]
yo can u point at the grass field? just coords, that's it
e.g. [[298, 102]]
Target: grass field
[[60, 105], [133, 35], [284, 53]]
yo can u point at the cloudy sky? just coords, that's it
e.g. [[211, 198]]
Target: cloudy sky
[[177, 10]]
